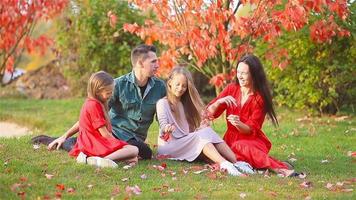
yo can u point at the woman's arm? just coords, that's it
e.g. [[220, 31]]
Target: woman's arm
[[57, 143], [253, 123], [240, 126], [218, 105]]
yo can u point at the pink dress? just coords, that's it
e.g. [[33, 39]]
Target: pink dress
[[183, 145]]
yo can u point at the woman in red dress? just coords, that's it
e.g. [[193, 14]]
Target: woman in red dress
[[246, 103], [95, 144]]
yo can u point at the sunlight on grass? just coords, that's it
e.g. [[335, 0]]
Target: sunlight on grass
[[309, 141]]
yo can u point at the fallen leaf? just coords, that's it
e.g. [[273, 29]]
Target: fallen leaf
[[58, 195], [164, 165], [135, 190], [49, 176], [124, 179], [329, 186], [200, 171], [15, 186], [115, 191], [347, 190], [341, 118], [242, 195], [306, 184], [272, 193], [127, 167], [196, 167], [302, 175], [60, 187], [162, 157], [170, 190], [23, 179], [212, 175], [22, 194], [339, 184], [308, 198], [70, 190]]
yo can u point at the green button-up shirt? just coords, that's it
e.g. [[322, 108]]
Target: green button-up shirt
[[131, 114]]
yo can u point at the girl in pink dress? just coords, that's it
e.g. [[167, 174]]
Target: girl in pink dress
[[183, 136], [95, 144]]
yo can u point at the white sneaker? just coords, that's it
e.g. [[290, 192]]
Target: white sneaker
[[244, 167], [230, 168], [82, 158], [101, 162]]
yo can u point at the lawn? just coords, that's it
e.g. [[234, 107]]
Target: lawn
[[319, 146]]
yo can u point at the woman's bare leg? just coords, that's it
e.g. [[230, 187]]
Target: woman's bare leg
[[212, 153], [225, 151]]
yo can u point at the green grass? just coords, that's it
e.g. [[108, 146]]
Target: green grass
[[23, 168]]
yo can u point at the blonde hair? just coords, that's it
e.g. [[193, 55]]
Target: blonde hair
[[98, 83], [191, 100]]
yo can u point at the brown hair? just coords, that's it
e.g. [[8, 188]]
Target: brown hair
[[191, 100], [140, 52], [260, 84], [99, 82]]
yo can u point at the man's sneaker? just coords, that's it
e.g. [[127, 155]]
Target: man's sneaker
[[244, 167], [42, 139], [82, 158], [229, 167], [101, 162]]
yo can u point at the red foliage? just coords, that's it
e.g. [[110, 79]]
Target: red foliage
[[200, 31], [17, 20]]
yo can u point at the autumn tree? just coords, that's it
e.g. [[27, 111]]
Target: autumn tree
[[18, 19], [211, 36]]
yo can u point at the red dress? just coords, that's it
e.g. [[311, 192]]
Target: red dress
[[90, 141], [252, 148]]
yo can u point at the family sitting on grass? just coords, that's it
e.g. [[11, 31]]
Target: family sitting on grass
[[116, 115]]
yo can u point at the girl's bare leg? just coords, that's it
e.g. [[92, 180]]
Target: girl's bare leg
[[127, 153]]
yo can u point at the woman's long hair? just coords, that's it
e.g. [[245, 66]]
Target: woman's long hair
[[98, 83], [192, 103], [260, 84]]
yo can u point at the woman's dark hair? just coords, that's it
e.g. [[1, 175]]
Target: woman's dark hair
[[260, 84]]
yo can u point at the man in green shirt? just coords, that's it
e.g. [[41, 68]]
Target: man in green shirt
[[132, 106]]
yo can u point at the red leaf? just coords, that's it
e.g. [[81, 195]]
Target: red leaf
[[164, 165], [60, 187], [70, 190]]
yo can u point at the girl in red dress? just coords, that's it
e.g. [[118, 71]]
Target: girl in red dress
[[246, 103], [95, 144]]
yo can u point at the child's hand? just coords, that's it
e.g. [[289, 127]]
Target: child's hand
[[56, 144], [167, 132]]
